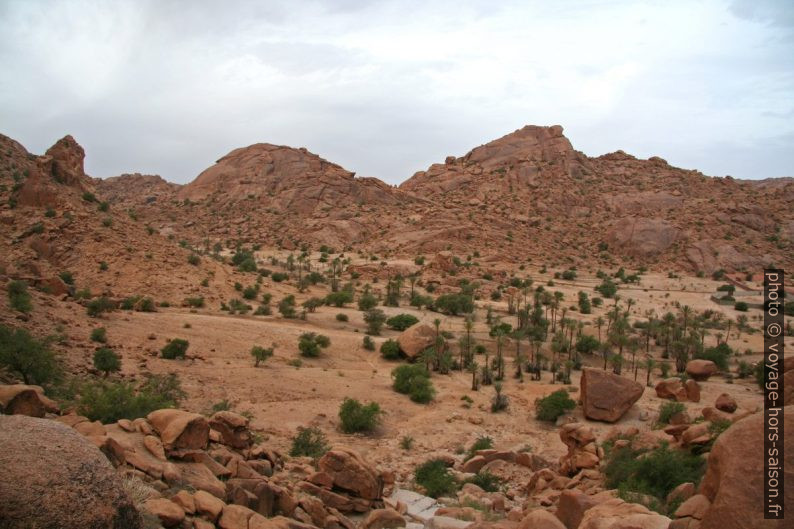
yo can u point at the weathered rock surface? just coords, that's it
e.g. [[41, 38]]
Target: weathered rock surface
[[352, 473], [21, 399], [48, 470], [733, 482], [416, 339], [606, 396], [180, 429], [701, 369]]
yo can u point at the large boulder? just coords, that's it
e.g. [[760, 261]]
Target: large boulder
[[582, 450], [726, 403], [416, 339], [54, 478], [21, 399], [180, 429], [734, 479], [540, 519], [701, 369], [606, 396], [572, 505], [233, 428], [617, 514], [352, 473]]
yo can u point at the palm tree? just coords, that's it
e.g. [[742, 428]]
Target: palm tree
[[473, 368], [599, 323], [650, 363], [469, 326], [500, 336], [741, 324], [686, 312]]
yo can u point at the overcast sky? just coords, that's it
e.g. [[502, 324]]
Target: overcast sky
[[385, 88]]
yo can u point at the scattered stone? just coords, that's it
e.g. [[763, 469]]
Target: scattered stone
[[169, 513], [701, 369], [726, 403]]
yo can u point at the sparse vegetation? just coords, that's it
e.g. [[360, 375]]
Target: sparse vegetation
[[402, 321], [28, 357], [18, 296], [552, 406], [99, 335], [310, 344], [261, 354], [357, 417], [107, 401], [106, 360], [176, 348], [309, 442], [668, 410], [97, 306], [434, 476], [413, 380]]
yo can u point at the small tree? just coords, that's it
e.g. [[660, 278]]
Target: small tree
[[97, 306], [310, 344], [374, 318], [106, 360], [340, 298], [367, 301], [287, 307], [175, 348], [368, 343], [357, 417], [27, 356], [261, 354], [312, 304]]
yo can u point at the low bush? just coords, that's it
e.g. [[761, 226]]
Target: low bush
[[741, 306], [97, 306], [342, 317], [454, 304], [413, 380], [668, 410], [99, 334], [309, 442], [278, 277], [402, 321], [107, 401], [374, 318], [196, 303], [719, 355], [483, 442], [486, 481], [310, 344], [19, 297], [435, 477], [357, 417], [552, 406], [368, 343], [193, 259], [175, 348], [390, 350], [654, 473], [339, 299]]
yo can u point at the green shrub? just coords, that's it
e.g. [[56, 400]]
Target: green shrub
[[193, 259], [261, 354], [668, 409], [434, 476], [486, 481], [175, 348], [196, 303], [500, 400], [339, 299], [402, 321], [741, 306], [19, 297], [310, 344], [309, 442], [607, 288], [413, 380], [342, 317], [655, 472], [407, 442], [106, 360], [107, 222], [89, 197], [107, 401], [552, 406], [390, 350], [367, 301], [483, 442], [287, 307], [454, 304], [99, 335], [147, 305], [745, 370], [357, 417], [368, 343], [250, 292], [278, 277], [67, 277], [97, 306], [30, 358], [719, 355], [374, 318]]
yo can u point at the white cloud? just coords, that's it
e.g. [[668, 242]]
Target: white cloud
[[386, 88]]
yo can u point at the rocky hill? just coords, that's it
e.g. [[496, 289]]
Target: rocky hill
[[526, 196], [57, 233]]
